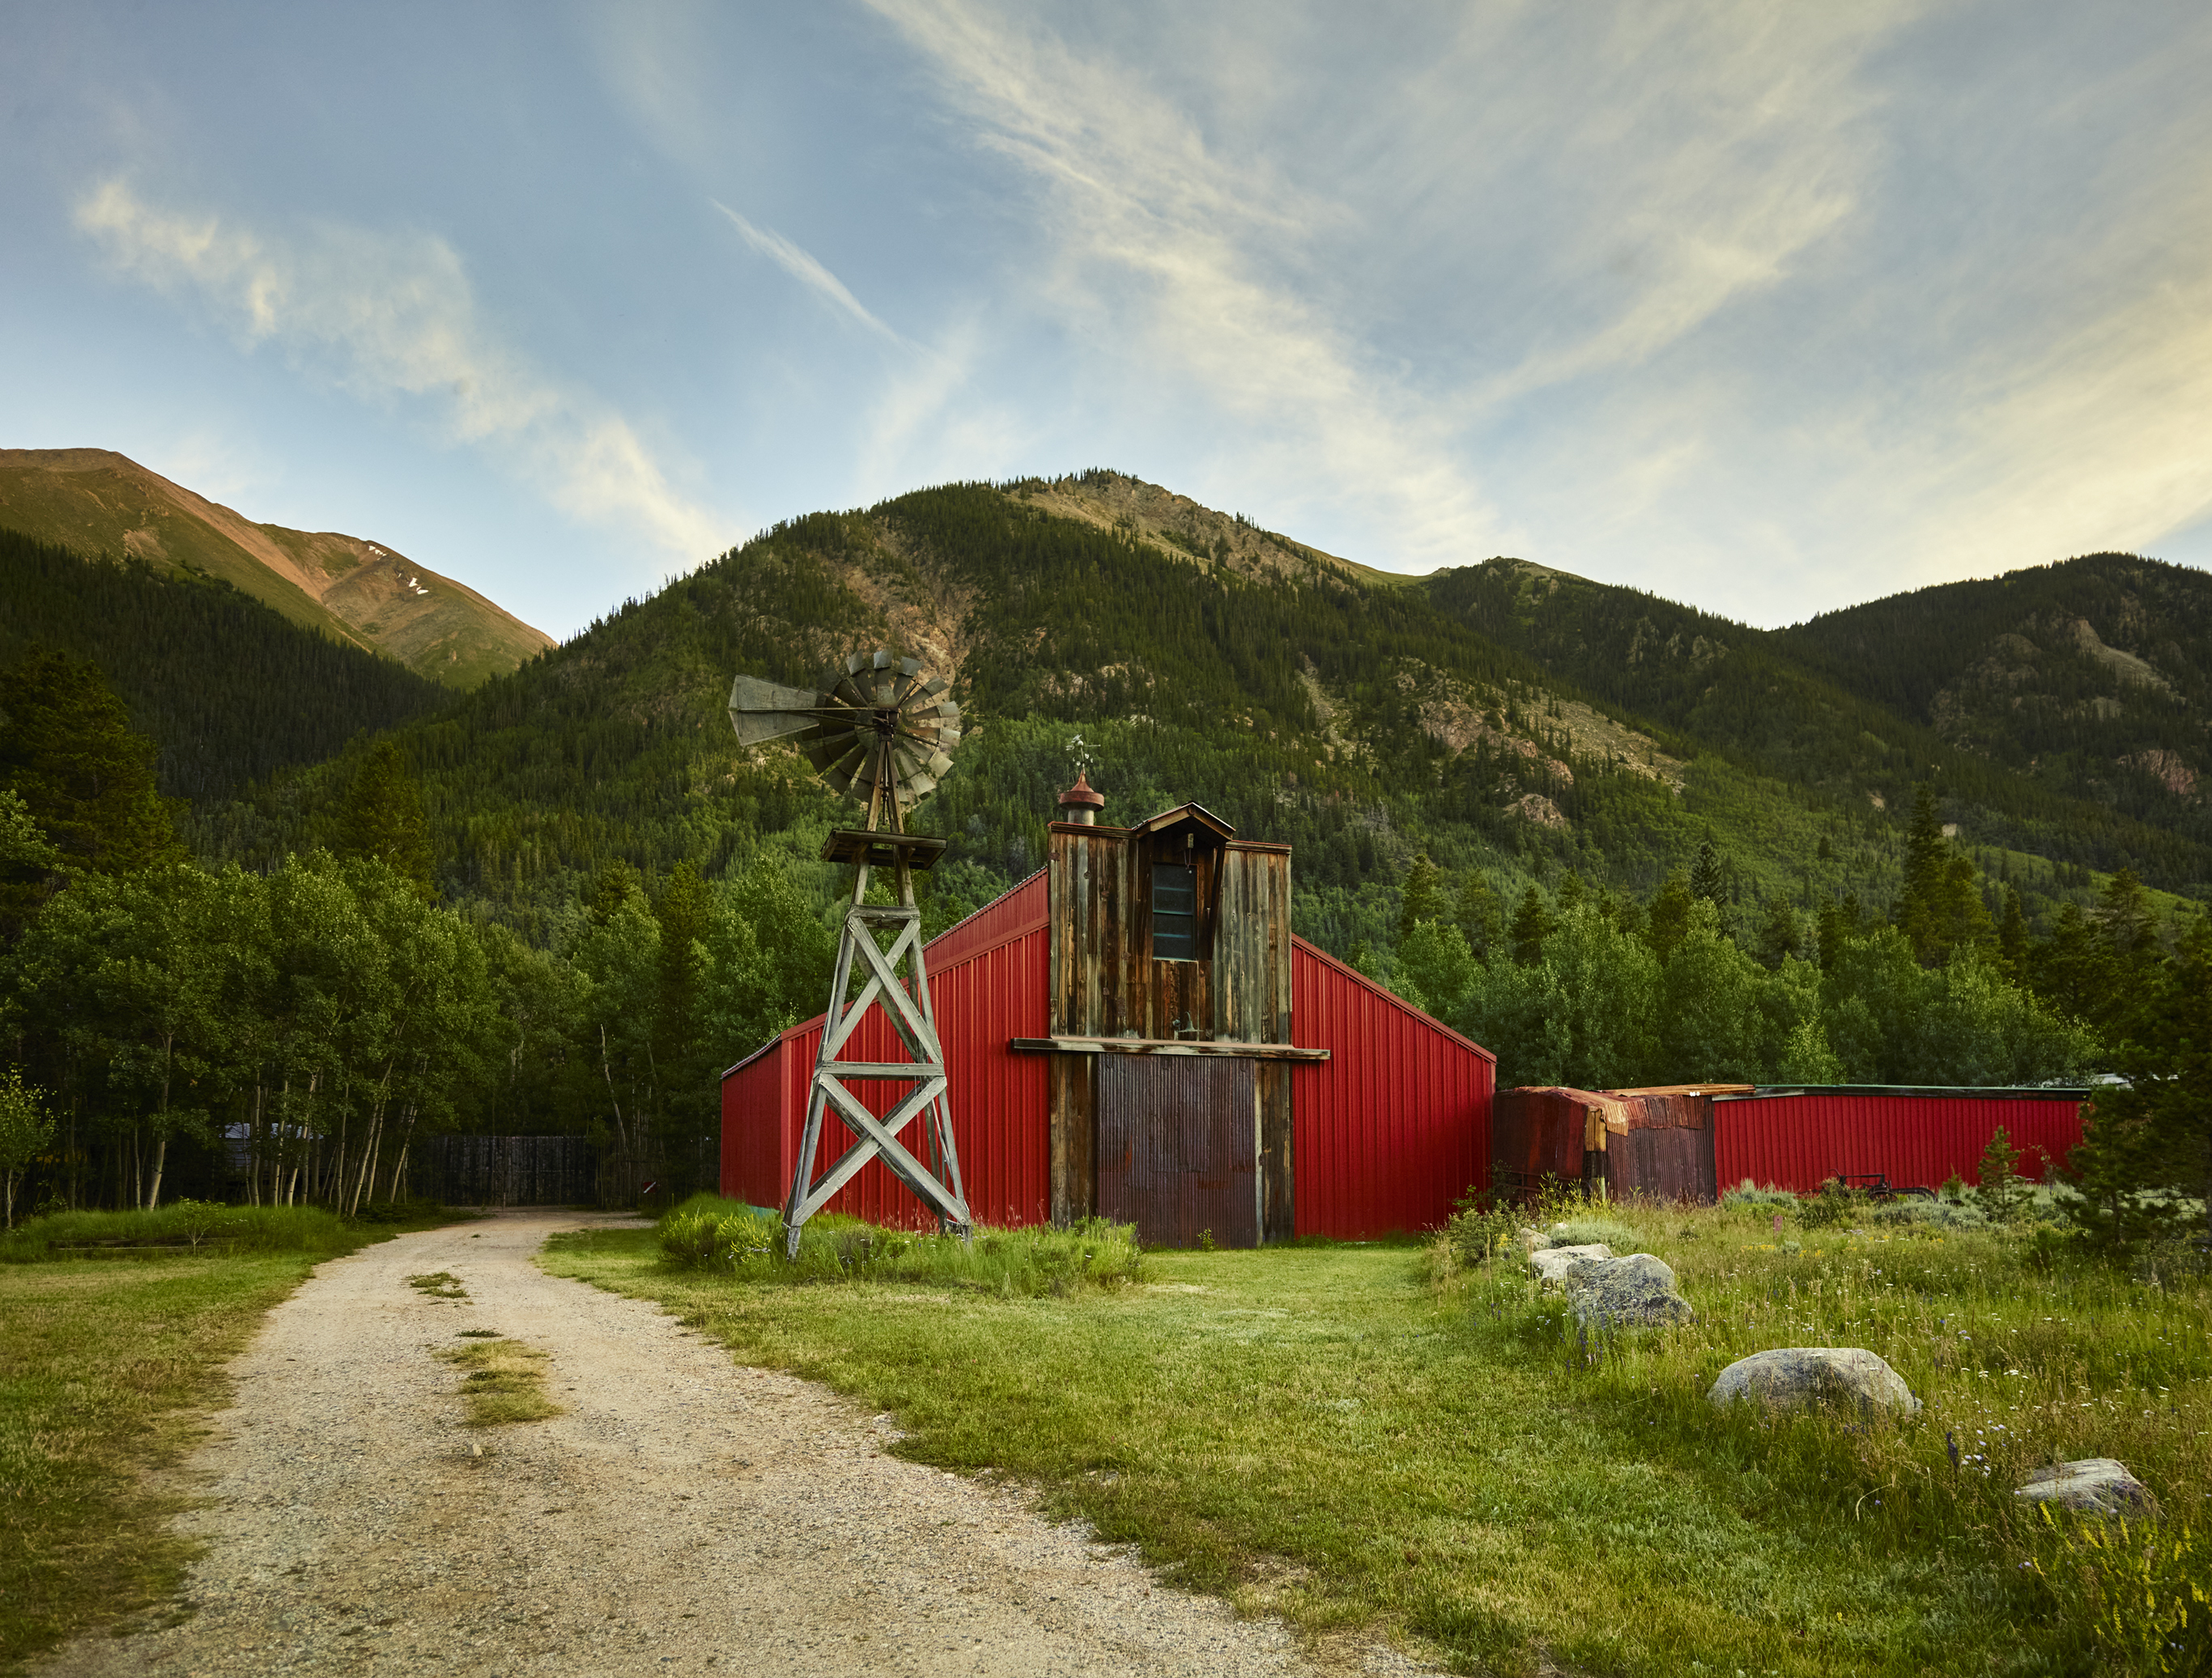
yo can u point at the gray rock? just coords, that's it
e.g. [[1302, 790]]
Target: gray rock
[[2094, 1486], [1795, 1375], [1552, 1264], [1633, 1293]]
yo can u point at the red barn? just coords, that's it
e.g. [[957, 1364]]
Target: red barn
[[1135, 1032]]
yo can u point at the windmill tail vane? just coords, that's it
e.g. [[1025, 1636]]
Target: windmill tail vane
[[880, 730]]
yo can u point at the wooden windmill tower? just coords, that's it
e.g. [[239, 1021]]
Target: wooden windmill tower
[[879, 730]]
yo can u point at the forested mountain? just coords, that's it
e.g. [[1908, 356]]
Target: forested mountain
[[1821, 710], [2091, 677], [228, 691], [1510, 722], [99, 503]]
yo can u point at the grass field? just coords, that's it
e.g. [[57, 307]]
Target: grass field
[[106, 1366], [1379, 1436]]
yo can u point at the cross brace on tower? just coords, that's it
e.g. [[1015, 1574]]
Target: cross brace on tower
[[936, 1183]]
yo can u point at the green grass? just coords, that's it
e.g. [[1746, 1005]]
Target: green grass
[[707, 1232], [505, 1383], [106, 1366], [185, 1224], [1363, 1436]]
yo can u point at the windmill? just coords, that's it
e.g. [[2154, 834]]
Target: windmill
[[879, 728]]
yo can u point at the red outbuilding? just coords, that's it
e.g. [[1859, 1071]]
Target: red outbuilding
[[1796, 1138], [1688, 1141], [1135, 1032]]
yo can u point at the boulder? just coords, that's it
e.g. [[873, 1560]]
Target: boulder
[[1553, 1263], [1633, 1293], [2094, 1486], [1795, 1375]]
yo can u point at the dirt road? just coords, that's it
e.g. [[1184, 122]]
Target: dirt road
[[686, 1515]]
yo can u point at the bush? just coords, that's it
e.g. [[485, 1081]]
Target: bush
[[707, 1232], [1944, 1214], [1750, 1195], [1835, 1204]]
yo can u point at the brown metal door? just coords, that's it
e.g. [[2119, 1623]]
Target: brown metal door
[[1178, 1148]]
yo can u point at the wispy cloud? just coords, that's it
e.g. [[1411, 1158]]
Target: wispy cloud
[[394, 315], [1195, 222], [1151, 238], [802, 267]]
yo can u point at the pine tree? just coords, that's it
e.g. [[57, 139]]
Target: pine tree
[[1777, 934], [1532, 924], [382, 817], [1941, 908], [2153, 1134], [1422, 898], [1707, 879], [2000, 1193], [67, 750]]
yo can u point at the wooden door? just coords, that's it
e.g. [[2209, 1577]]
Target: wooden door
[[1178, 1148]]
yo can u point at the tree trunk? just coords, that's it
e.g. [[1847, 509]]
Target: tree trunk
[[162, 1143], [622, 1131]]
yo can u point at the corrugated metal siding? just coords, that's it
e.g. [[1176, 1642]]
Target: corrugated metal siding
[[991, 990], [1394, 1126], [1537, 1133], [1668, 1152], [1798, 1142], [1178, 1148]]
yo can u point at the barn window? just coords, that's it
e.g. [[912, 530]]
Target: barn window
[[1175, 913]]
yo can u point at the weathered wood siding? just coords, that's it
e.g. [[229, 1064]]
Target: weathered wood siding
[[1104, 982]]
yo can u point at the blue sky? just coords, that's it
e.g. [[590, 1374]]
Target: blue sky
[[1767, 308]]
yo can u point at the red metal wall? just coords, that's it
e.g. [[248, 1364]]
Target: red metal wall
[[1394, 1126], [987, 981], [1798, 1142]]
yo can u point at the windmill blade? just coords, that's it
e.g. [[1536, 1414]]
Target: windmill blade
[[763, 711], [879, 719]]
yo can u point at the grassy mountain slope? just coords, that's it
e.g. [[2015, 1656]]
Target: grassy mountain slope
[[98, 502], [229, 691], [2093, 677]]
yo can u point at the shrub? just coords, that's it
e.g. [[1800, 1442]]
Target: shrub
[[1749, 1194], [1835, 1204], [747, 1242]]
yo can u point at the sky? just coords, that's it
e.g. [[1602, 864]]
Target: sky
[[1769, 308]]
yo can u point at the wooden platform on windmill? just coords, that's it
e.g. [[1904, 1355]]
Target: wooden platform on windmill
[[880, 849]]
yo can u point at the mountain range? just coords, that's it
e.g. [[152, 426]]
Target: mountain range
[[1511, 721], [354, 590]]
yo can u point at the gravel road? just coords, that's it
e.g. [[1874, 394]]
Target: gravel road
[[685, 1515]]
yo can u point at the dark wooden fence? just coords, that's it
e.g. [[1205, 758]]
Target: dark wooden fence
[[505, 1170]]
